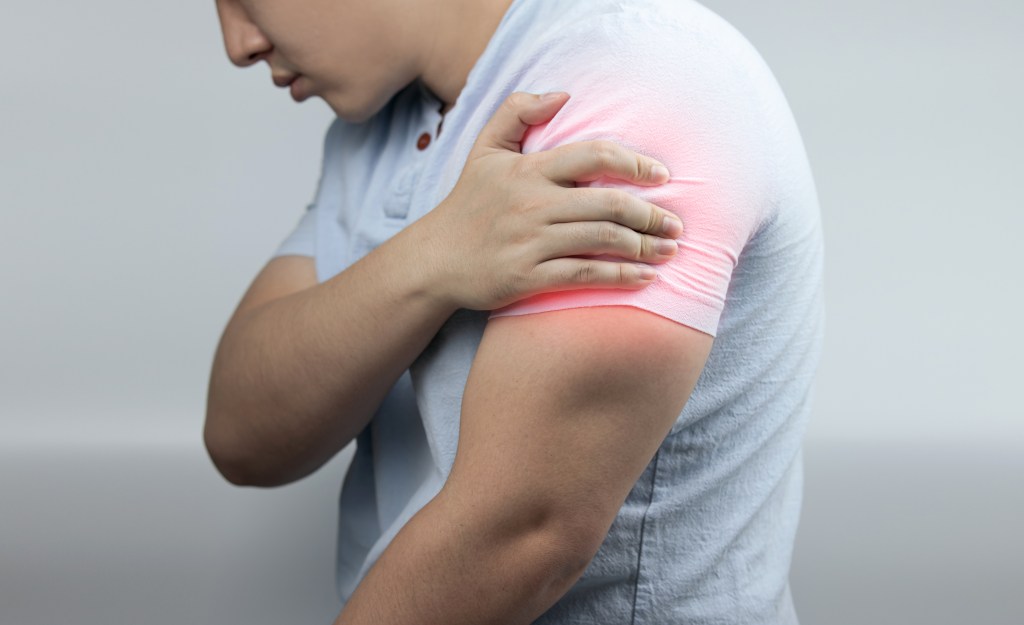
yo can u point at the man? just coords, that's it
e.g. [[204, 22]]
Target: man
[[588, 455]]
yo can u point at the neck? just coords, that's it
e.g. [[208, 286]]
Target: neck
[[459, 39]]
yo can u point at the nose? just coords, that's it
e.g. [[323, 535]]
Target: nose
[[244, 42]]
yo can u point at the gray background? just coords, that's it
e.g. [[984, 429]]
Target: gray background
[[144, 181]]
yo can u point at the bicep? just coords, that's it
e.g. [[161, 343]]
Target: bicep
[[563, 410]]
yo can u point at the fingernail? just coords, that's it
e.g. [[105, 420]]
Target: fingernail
[[660, 172], [666, 246], [646, 272], [673, 227], [554, 95]]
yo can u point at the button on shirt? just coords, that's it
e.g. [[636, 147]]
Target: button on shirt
[[423, 141], [706, 534]]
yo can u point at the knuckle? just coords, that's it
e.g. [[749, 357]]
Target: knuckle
[[604, 152], [526, 166], [520, 282], [515, 101], [607, 234], [617, 206], [585, 273], [654, 219], [625, 273], [576, 199], [645, 249], [516, 97]]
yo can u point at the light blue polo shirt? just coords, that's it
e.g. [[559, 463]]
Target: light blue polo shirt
[[707, 532]]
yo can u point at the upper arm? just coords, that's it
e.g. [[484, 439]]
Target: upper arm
[[280, 277], [572, 392], [709, 120], [562, 412]]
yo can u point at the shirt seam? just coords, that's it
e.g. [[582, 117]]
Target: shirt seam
[[643, 525]]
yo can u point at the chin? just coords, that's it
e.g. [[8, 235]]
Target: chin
[[351, 118], [357, 113]]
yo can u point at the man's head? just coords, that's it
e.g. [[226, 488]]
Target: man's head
[[357, 54]]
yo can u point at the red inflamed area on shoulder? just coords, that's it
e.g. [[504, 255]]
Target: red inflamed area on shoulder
[[710, 189]]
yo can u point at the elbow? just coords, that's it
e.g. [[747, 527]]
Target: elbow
[[231, 449], [578, 541], [233, 460], [545, 548], [225, 458], [569, 556], [551, 559], [568, 532], [232, 452]]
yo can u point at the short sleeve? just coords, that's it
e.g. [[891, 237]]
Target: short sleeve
[[302, 239], [689, 99]]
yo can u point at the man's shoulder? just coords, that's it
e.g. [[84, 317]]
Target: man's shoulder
[[674, 32], [659, 65]]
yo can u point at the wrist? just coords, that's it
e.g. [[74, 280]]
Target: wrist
[[427, 263]]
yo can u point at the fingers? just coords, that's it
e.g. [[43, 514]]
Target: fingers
[[589, 160], [615, 205], [566, 274], [602, 237], [519, 111]]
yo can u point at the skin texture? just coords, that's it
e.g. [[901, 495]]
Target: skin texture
[[562, 411]]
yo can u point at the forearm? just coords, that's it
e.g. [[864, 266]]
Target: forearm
[[448, 566], [296, 379]]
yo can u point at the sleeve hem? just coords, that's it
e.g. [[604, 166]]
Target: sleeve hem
[[696, 315]]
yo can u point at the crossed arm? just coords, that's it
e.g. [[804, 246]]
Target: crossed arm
[[561, 413]]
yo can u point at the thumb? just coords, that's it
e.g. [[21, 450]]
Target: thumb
[[519, 111]]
